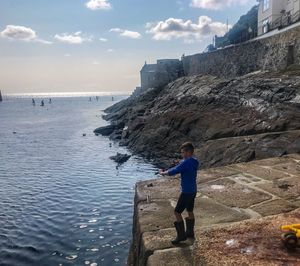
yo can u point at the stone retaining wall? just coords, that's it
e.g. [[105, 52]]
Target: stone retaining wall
[[272, 53]]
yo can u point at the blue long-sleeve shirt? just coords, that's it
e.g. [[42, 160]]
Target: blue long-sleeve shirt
[[188, 170]]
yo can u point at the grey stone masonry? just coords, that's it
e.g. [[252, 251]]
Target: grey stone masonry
[[273, 53]]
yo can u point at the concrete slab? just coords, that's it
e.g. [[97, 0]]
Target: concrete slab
[[274, 207], [288, 188], [233, 194], [158, 214], [163, 188], [291, 168], [215, 173], [161, 239], [155, 215], [208, 212], [245, 179], [172, 257], [264, 172]]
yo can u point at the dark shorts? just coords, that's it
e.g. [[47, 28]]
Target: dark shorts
[[185, 201]]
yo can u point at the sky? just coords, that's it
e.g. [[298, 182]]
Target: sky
[[101, 45]]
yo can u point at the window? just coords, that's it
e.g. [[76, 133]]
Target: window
[[265, 27], [266, 4]]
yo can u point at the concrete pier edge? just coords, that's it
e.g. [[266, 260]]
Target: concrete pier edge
[[231, 197]]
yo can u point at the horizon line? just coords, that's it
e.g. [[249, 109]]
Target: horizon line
[[65, 94]]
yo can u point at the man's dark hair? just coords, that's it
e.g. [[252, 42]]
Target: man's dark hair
[[187, 146]]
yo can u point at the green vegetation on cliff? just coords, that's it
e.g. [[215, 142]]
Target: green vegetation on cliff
[[243, 30]]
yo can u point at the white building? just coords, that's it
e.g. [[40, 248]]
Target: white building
[[274, 14]]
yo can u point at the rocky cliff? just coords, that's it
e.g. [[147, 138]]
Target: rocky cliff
[[251, 117]]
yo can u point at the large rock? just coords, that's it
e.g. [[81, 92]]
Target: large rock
[[105, 131], [120, 158], [238, 120], [108, 130]]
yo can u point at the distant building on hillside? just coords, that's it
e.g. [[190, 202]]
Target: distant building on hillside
[[273, 14], [161, 73], [137, 91]]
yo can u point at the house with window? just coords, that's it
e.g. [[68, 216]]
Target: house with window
[[274, 14], [161, 73]]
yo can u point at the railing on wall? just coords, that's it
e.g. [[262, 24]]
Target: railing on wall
[[242, 37], [284, 21]]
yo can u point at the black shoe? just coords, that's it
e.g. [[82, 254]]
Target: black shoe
[[179, 226], [190, 223]]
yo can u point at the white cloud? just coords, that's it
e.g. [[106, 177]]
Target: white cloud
[[127, 33], [103, 40], [217, 4], [110, 50], [96, 63], [98, 4], [18, 33], [21, 33], [74, 38], [174, 28], [115, 30], [43, 41], [131, 34], [67, 55]]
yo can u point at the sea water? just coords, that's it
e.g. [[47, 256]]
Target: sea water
[[62, 200]]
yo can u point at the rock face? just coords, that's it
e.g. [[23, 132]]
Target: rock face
[[255, 116]]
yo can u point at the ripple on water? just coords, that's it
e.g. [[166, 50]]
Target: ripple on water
[[60, 193], [71, 257]]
